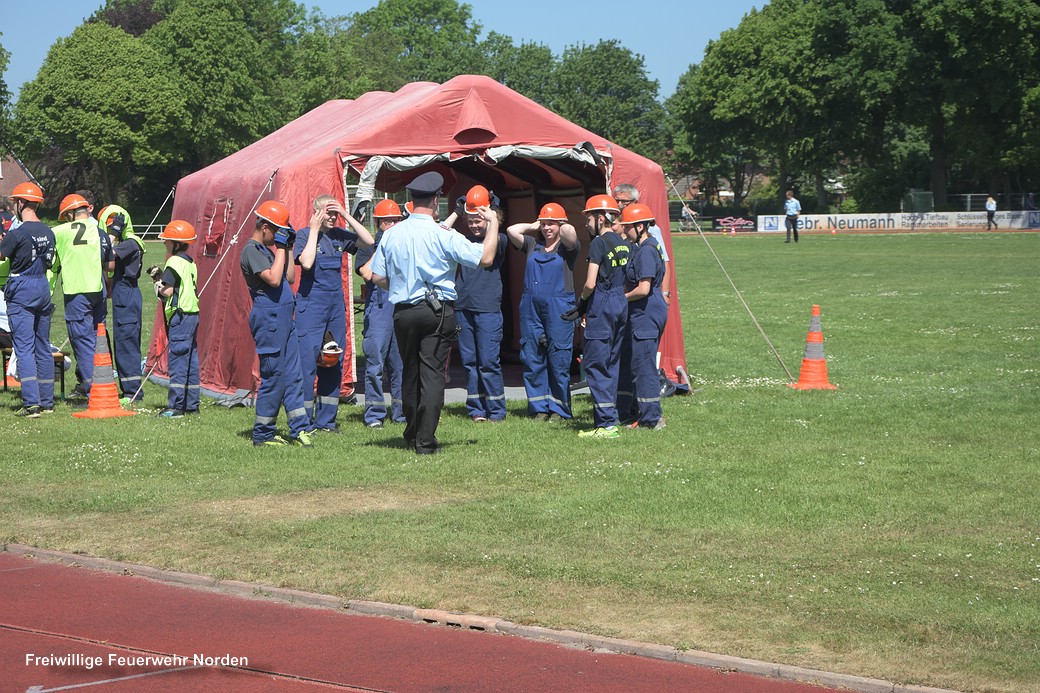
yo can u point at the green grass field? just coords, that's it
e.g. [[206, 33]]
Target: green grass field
[[888, 529]]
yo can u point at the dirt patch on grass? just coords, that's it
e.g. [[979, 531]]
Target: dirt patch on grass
[[314, 504]]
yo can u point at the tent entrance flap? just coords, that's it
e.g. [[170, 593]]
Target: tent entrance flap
[[535, 166]]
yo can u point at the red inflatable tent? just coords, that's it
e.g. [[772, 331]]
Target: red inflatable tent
[[471, 129]]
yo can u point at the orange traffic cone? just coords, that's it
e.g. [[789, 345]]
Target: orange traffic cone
[[11, 382], [814, 364], [104, 396]]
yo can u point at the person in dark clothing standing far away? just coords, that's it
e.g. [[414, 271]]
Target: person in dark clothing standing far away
[[417, 264]]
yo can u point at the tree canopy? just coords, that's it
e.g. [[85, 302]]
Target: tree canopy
[[894, 94]]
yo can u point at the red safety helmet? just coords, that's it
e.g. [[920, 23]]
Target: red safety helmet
[[274, 212], [386, 209], [30, 192], [552, 212], [178, 230], [635, 213], [478, 196], [70, 203], [329, 355], [601, 203]]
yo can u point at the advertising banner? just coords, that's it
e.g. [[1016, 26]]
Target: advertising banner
[[930, 221]]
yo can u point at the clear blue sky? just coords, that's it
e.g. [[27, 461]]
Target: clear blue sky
[[669, 34]]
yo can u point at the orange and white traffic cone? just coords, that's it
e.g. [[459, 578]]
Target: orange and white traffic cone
[[813, 375], [104, 395]]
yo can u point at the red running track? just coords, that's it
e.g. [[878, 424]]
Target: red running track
[[50, 611]]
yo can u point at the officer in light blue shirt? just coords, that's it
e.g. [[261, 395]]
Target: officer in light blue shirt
[[792, 208], [416, 264]]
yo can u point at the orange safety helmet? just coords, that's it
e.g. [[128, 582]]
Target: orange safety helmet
[[552, 212], [179, 231], [635, 213], [601, 203], [409, 207], [275, 213], [101, 215], [329, 355], [386, 209], [70, 203], [478, 196], [30, 192]]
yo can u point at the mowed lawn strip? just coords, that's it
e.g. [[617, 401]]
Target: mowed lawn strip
[[886, 529]]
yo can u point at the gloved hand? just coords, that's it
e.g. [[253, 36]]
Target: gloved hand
[[158, 290], [495, 202], [154, 272], [460, 203], [117, 225], [281, 238], [577, 311], [543, 342]]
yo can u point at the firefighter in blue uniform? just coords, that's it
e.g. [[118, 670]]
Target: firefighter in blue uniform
[[176, 288], [83, 254], [479, 314], [128, 253], [268, 268], [546, 338], [378, 340], [321, 309], [607, 313], [30, 248], [648, 312]]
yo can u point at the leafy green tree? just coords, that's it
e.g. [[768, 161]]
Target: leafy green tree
[[333, 60], [435, 40], [527, 69], [225, 74], [5, 95], [132, 16], [605, 89], [109, 103]]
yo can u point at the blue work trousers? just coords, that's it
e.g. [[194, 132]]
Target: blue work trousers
[[318, 312], [83, 314], [126, 336], [281, 379], [480, 342], [29, 311], [381, 356], [183, 362], [604, 336], [546, 349]]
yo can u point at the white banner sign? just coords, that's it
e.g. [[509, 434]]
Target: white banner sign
[[774, 223]]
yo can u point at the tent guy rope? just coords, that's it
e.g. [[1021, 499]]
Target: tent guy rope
[[790, 377]]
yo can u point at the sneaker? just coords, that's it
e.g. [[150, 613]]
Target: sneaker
[[191, 412], [303, 440], [47, 410], [632, 426], [479, 419], [659, 425], [375, 424], [79, 391], [276, 442], [496, 421], [327, 429], [171, 414], [608, 432], [541, 416], [555, 418], [32, 412]]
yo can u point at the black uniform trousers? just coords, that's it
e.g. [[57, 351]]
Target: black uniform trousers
[[424, 338]]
